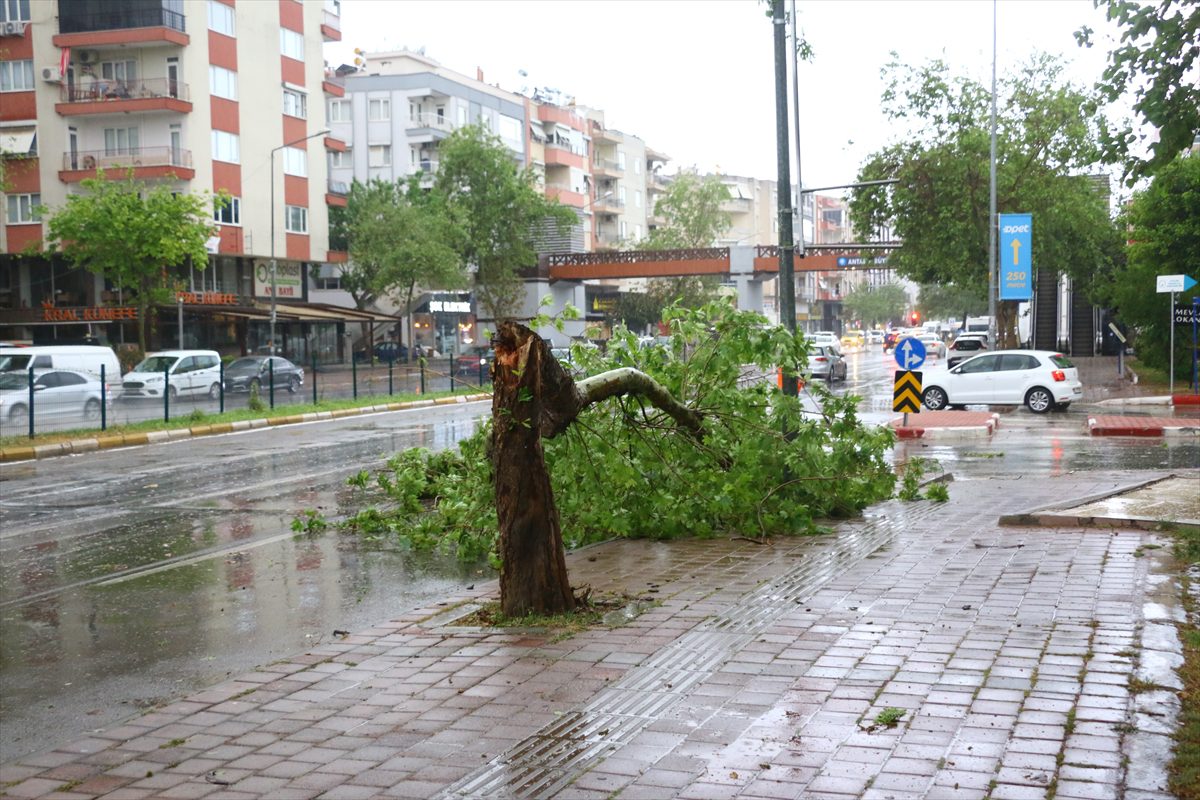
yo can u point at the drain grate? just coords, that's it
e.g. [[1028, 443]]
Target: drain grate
[[550, 759]]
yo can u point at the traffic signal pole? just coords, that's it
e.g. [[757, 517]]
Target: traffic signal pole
[[787, 283]]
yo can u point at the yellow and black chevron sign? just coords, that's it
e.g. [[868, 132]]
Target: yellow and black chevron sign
[[906, 396]]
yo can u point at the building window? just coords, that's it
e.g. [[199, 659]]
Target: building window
[[295, 104], [379, 155], [296, 219], [330, 283], [119, 70], [222, 82], [637, 197], [340, 158], [621, 194], [120, 141], [226, 147], [16, 76], [637, 232], [621, 159], [637, 166], [220, 18], [14, 10], [462, 116], [295, 162], [379, 110], [231, 214], [291, 44], [624, 229], [339, 110], [22, 209]]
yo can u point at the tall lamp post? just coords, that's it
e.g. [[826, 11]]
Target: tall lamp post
[[274, 150]]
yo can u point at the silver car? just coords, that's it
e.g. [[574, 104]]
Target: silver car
[[58, 394]]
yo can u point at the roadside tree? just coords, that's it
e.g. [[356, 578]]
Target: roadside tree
[[398, 238], [131, 233], [1164, 234], [1047, 147], [499, 211], [1159, 59], [948, 301], [658, 442], [876, 304]]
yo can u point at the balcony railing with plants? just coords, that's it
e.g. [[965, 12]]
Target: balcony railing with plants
[[73, 18], [108, 89], [561, 145], [132, 157]]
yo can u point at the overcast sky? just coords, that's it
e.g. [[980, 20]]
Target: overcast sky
[[695, 78]]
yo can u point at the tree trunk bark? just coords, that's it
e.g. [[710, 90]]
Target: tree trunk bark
[[534, 397], [533, 573]]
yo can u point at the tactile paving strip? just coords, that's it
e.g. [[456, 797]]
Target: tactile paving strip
[[550, 759]]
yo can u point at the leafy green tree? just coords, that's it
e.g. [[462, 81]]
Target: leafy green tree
[[947, 301], [399, 238], [1047, 142], [1164, 234], [876, 304], [131, 233], [1157, 57], [499, 210], [692, 213]]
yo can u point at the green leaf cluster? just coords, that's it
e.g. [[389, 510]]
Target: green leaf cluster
[[623, 469], [691, 212], [132, 233], [873, 305], [1157, 58], [1163, 224], [498, 210]]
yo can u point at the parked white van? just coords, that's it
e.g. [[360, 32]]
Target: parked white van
[[78, 357], [192, 372]]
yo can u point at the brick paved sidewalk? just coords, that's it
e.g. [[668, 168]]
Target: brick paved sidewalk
[[757, 674]]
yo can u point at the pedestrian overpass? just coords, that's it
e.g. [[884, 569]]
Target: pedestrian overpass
[[562, 275]]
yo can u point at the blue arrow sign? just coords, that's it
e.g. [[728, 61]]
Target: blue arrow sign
[[1188, 282], [910, 353], [1016, 256]]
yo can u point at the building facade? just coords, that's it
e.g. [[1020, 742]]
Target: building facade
[[205, 96]]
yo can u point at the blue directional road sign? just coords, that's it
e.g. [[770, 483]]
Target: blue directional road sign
[[910, 353], [1016, 256]]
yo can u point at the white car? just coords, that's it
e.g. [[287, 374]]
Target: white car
[[192, 372], [934, 346], [1040, 379], [826, 338]]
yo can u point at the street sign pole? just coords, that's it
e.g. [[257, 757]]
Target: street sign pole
[[1171, 352], [1195, 345]]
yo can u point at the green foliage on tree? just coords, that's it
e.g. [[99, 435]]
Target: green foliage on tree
[[692, 214], [876, 305], [1157, 58], [1164, 232], [399, 238], [625, 469], [132, 233], [1047, 142], [947, 301], [498, 209]]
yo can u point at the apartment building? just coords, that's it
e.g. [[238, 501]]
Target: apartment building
[[202, 95]]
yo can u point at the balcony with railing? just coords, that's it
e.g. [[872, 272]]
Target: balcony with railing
[[602, 167], [116, 24], [147, 163], [335, 193], [561, 153], [435, 126], [331, 25], [608, 205], [123, 97]]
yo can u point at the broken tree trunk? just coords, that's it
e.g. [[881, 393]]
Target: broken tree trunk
[[533, 396]]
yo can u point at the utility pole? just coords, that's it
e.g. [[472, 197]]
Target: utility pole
[[787, 283], [993, 277]]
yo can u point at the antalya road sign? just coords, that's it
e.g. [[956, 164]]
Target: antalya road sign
[[906, 395], [910, 353]]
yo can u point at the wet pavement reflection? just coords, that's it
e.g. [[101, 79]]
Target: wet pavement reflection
[[128, 579]]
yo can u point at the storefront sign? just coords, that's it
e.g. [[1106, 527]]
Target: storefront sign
[[449, 307], [289, 280], [87, 313], [207, 298]]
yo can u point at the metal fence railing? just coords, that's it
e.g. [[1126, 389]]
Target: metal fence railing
[[53, 401]]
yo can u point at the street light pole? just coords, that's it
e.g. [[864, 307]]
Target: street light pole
[[274, 150]]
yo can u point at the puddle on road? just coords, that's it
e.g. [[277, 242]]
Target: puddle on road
[[1172, 499]]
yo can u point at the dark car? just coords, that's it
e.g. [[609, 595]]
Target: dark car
[[255, 373], [391, 352], [963, 348], [470, 364]]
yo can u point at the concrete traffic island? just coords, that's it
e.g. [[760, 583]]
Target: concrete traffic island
[[944, 425], [1119, 425]]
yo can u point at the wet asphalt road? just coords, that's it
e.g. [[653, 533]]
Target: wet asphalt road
[[131, 577]]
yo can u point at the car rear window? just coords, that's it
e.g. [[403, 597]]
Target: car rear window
[[1061, 361]]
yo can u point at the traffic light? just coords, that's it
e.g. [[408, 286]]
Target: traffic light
[[915, 318]]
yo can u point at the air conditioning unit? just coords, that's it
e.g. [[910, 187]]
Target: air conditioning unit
[[86, 57], [52, 74], [12, 28]]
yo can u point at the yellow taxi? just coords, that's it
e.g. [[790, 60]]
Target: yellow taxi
[[853, 340]]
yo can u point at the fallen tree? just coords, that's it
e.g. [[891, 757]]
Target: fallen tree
[[663, 441]]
